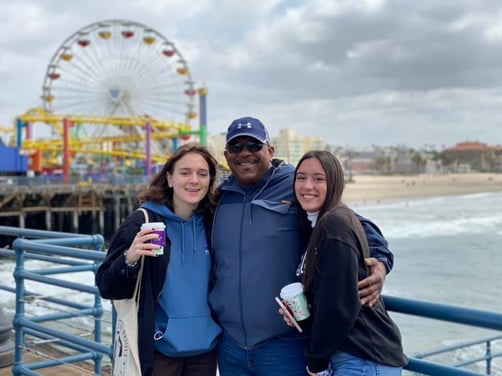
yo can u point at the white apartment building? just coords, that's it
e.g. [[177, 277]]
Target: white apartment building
[[290, 146]]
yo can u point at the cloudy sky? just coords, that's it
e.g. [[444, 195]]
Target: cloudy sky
[[355, 72]]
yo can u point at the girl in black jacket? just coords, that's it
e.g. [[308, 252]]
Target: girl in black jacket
[[176, 333], [347, 338]]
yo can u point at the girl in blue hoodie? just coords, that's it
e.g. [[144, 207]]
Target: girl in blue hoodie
[[177, 334]]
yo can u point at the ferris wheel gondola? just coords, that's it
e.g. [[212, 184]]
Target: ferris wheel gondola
[[119, 68]]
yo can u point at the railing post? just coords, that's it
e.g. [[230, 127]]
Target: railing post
[[19, 316], [489, 357], [54, 248], [98, 306]]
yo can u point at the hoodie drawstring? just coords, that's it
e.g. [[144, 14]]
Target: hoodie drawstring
[[194, 230], [194, 245], [182, 244]]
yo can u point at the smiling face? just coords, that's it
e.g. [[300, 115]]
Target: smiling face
[[249, 167], [310, 185], [190, 182]]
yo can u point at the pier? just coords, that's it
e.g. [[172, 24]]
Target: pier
[[85, 208]]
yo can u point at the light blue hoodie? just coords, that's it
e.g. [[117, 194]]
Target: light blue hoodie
[[184, 325]]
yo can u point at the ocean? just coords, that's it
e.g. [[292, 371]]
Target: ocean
[[446, 250]]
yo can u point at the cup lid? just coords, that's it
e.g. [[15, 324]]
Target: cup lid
[[160, 225], [291, 290]]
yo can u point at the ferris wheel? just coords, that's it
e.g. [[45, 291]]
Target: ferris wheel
[[119, 68]]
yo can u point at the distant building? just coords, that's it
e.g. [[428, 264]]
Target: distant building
[[497, 152], [478, 156], [290, 146], [216, 145], [362, 162], [12, 161]]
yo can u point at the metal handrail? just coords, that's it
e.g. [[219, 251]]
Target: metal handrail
[[453, 314], [488, 357], [77, 253]]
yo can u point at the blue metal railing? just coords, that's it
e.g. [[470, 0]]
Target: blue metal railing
[[488, 357], [449, 313], [66, 253], [76, 253]]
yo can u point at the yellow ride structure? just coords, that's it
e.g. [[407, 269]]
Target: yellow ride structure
[[127, 142]]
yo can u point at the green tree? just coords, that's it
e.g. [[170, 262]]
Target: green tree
[[418, 161]]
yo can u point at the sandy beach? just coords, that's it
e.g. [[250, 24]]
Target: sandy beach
[[367, 189]]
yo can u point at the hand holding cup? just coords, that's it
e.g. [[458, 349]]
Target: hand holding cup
[[287, 315], [159, 229], [149, 241], [294, 298]]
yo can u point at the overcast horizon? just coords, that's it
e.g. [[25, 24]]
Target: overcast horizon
[[356, 73]]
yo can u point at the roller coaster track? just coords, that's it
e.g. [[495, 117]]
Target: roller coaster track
[[38, 114], [6, 130], [125, 144]]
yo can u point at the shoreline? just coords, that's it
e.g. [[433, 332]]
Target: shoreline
[[375, 189]]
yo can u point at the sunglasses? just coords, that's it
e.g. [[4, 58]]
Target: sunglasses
[[250, 146]]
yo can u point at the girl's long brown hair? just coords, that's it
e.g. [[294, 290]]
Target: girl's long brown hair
[[335, 182], [158, 189]]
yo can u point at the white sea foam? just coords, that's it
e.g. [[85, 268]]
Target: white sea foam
[[440, 216]]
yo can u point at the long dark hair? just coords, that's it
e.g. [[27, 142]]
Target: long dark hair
[[335, 183], [158, 189], [335, 178]]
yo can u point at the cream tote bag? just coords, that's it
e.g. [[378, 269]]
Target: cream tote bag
[[126, 352]]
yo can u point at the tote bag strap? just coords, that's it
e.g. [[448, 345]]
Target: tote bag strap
[[137, 288], [145, 213]]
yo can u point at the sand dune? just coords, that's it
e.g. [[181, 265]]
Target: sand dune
[[373, 189]]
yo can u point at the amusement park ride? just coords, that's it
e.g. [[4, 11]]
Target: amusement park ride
[[114, 91]]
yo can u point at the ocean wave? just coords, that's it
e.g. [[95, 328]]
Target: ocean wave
[[414, 202], [442, 227], [444, 216]]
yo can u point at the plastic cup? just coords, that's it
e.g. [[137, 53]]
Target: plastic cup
[[160, 230], [295, 299]]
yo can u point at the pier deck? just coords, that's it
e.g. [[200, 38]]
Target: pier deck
[[47, 352]]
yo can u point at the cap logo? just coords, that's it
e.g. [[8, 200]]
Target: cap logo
[[247, 126], [242, 125]]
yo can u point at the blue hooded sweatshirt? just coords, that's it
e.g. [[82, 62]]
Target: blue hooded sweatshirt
[[184, 325]]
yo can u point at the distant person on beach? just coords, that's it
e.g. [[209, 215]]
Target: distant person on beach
[[257, 250], [177, 334], [346, 337]]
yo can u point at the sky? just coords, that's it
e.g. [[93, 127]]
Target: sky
[[357, 73]]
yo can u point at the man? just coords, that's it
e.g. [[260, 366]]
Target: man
[[257, 251]]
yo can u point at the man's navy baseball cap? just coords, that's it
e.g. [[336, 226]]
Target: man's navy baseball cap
[[248, 126]]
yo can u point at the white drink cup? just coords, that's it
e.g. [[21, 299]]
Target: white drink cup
[[160, 230], [295, 299]]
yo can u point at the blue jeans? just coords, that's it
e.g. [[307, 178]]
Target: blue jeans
[[276, 357], [344, 364]]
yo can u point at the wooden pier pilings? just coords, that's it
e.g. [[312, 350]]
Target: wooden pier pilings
[[86, 209]]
